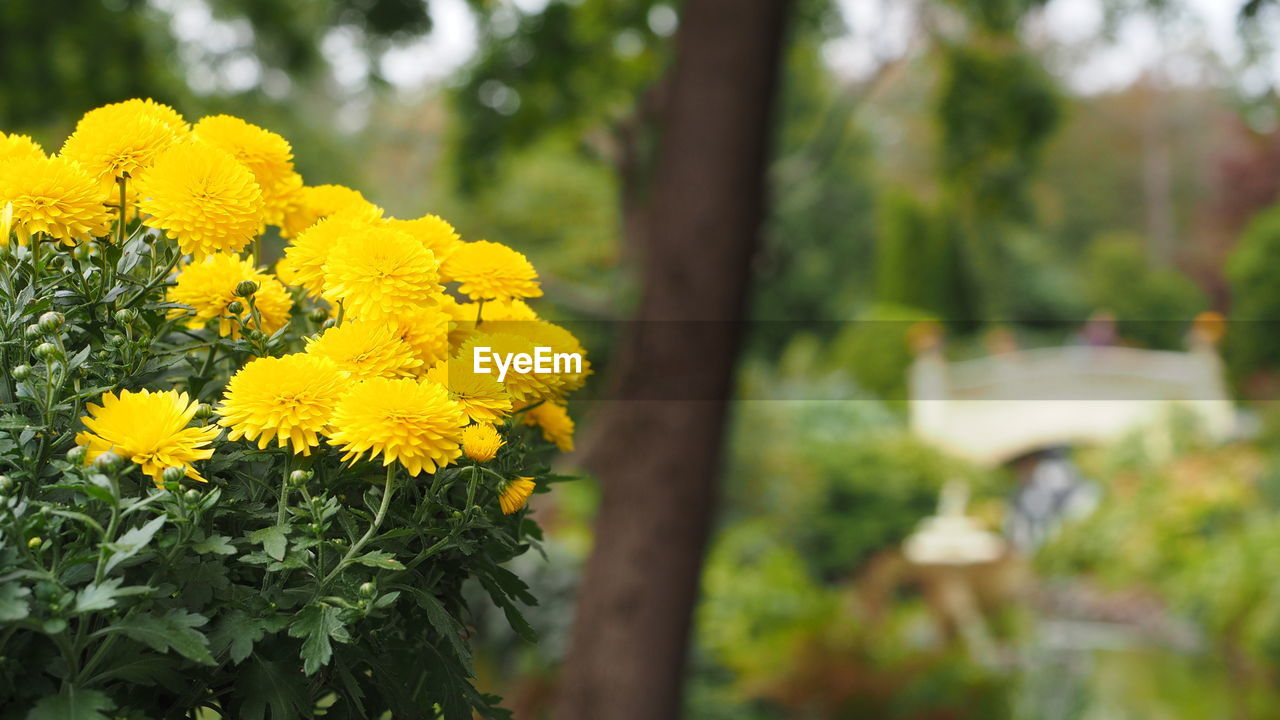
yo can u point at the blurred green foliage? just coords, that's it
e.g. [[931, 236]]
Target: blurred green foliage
[[1154, 306], [1252, 342]]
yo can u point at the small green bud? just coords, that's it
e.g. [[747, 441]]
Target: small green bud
[[51, 322], [246, 288], [235, 307], [33, 331], [48, 351], [35, 542], [368, 589], [21, 372], [6, 483], [457, 514], [75, 455], [298, 478], [329, 323], [126, 316], [318, 315], [108, 461], [204, 411], [192, 495], [173, 475]]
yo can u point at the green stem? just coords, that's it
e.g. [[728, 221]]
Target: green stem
[[377, 523], [284, 495]]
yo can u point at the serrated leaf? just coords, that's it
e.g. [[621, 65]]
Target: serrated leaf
[[215, 545], [98, 596], [13, 602], [317, 625], [133, 542], [272, 539], [236, 633], [72, 703], [446, 625], [174, 630], [379, 559], [266, 684]]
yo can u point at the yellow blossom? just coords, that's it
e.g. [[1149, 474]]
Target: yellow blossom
[[366, 349], [14, 147], [148, 428], [378, 271], [553, 418], [514, 494], [481, 442], [52, 196], [482, 397], [489, 270], [412, 422], [122, 140], [208, 286], [288, 399]]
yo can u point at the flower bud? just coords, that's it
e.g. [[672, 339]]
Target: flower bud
[[33, 331], [21, 372], [318, 315], [51, 322], [108, 461], [245, 288], [235, 307], [204, 411], [367, 589], [35, 542], [126, 316], [75, 455], [192, 495], [6, 483], [173, 475], [328, 323], [47, 351], [298, 478]]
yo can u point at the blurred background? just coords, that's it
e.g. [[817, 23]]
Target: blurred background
[[985, 424]]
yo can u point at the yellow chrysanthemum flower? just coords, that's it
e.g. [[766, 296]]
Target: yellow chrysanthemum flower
[[549, 335], [514, 494], [282, 203], [410, 421], [148, 428], [381, 272], [489, 270], [267, 155], [482, 397], [202, 197], [304, 261], [481, 442], [524, 387], [122, 139], [433, 232], [52, 196], [553, 418], [426, 330], [366, 349], [289, 399], [308, 205], [208, 286], [16, 147]]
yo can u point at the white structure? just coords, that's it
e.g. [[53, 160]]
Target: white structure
[[996, 408]]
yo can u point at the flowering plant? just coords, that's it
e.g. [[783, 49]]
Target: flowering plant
[[229, 492]]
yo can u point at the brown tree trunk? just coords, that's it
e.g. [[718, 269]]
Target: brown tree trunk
[[660, 445]]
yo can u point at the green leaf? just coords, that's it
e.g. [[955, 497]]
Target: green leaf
[[445, 624], [100, 596], [264, 684], [236, 633], [215, 545], [133, 542], [272, 539], [72, 703], [317, 624], [175, 629], [379, 559], [514, 617], [13, 602]]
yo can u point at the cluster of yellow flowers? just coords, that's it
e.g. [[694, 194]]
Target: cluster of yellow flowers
[[388, 377]]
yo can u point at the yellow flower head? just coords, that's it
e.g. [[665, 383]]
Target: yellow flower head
[[410, 421], [426, 330], [489, 270], [289, 399], [482, 397], [207, 286], [481, 442], [122, 139], [267, 155], [148, 428], [308, 205], [553, 418], [433, 232], [366, 349], [14, 147], [549, 335], [202, 197], [304, 261], [379, 272], [53, 196], [525, 387], [514, 494]]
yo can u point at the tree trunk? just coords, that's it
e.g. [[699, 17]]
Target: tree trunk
[[660, 445]]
